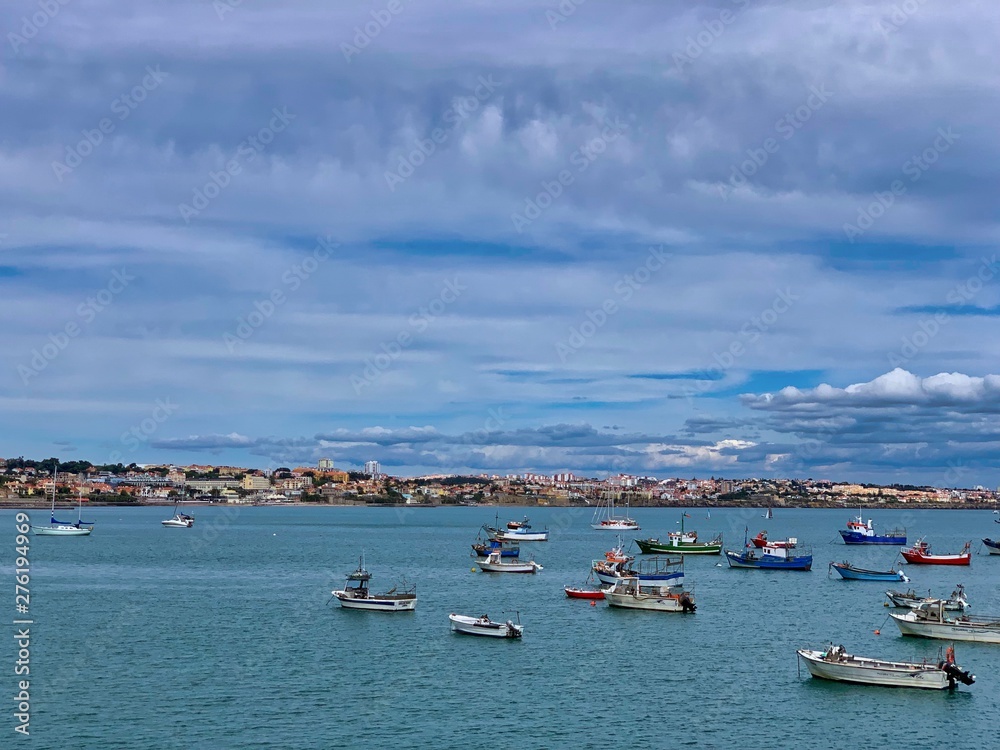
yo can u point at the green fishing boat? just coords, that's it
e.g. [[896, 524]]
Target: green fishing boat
[[683, 542]]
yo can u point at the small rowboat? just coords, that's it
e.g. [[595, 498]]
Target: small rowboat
[[578, 593], [920, 554], [484, 626], [835, 664]]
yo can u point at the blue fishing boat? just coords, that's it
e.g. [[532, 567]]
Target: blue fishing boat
[[852, 573], [859, 532], [770, 557]]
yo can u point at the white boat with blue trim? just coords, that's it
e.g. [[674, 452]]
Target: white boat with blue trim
[[357, 595]]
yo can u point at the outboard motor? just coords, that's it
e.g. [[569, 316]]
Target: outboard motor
[[687, 606], [954, 673]]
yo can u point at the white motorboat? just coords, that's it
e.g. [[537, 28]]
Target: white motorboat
[[495, 563], [523, 534], [631, 593], [179, 521], [835, 664], [605, 519], [484, 626], [356, 594], [64, 528], [911, 600], [928, 620]]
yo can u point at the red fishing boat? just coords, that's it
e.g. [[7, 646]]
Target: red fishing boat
[[920, 553], [577, 593]]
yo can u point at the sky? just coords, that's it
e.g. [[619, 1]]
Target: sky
[[734, 238]]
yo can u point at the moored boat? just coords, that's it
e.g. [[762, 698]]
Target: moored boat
[[770, 558], [523, 534], [659, 571], [357, 595], [494, 563], [852, 573], [179, 520], [577, 592], [681, 542], [484, 626], [632, 593], [605, 519], [920, 554], [929, 620], [64, 528], [859, 532], [911, 600], [507, 549], [834, 663], [992, 546]]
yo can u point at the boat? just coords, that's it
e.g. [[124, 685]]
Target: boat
[[633, 593], [577, 592], [769, 557], [485, 626], [928, 620], [494, 563], [357, 595], [911, 600], [523, 532], [769, 514], [606, 520], [179, 520], [64, 528], [920, 554], [852, 573], [992, 546], [682, 542], [859, 532], [517, 524], [761, 540], [661, 571], [834, 663]]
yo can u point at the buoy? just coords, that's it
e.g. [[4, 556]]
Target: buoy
[[878, 632], [593, 604], [473, 570]]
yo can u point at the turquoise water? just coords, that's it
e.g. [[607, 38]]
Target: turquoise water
[[222, 636]]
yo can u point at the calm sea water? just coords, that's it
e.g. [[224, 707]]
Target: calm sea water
[[222, 636]]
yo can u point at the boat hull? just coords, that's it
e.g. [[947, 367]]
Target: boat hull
[[60, 531], [768, 562], [875, 672], [473, 626], [574, 593], [856, 574], [854, 537], [518, 567], [484, 550], [616, 526], [651, 602], [992, 546], [952, 631], [647, 579], [531, 536], [376, 603]]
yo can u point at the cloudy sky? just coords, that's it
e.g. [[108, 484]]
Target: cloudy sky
[[730, 238]]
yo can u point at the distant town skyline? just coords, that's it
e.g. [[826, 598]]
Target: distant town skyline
[[727, 238]]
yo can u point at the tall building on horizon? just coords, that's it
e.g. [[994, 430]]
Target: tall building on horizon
[[325, 464], [372, 468]]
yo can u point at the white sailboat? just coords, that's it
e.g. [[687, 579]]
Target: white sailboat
[[64, 528], [605, 519]]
